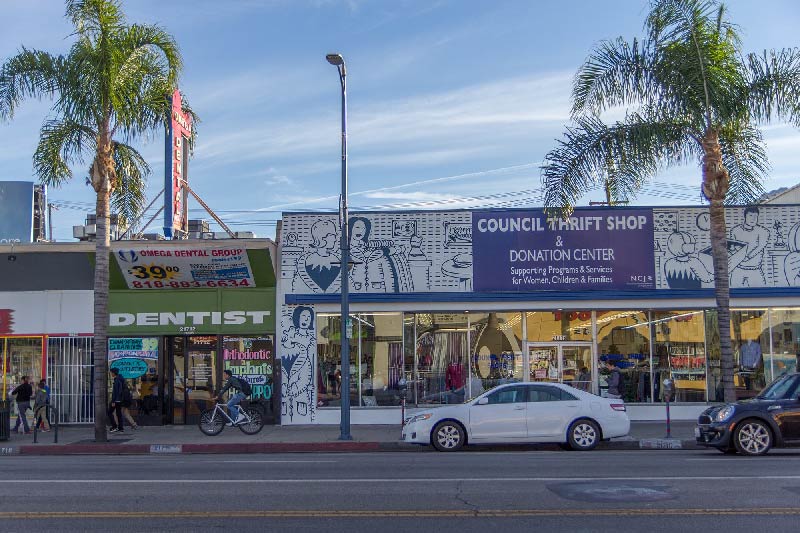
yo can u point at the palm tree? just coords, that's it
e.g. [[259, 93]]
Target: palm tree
[[109, 90], [692, 95]]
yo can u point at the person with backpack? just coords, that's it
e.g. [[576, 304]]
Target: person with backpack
[[243, 390], [615, 380], [115, 407], [40, 406]]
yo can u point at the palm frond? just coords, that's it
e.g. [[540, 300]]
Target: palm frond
[[773, 88], [744, 155], [61, 143], [29, 74], [615, 73], [127, 197], [633, 151], [92, 18]]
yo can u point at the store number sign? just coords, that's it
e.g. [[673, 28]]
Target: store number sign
[[168, 268]]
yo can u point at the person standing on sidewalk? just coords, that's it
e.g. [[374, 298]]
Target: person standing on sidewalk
[[23, 391], [115, 408], [40, 406], [614, 380]]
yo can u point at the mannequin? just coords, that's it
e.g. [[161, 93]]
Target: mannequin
[[750, 354]]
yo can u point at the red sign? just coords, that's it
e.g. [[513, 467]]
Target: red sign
[[181, 132], [6, 321]]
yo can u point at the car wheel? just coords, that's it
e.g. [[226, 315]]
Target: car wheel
[[448, 436], [752, 437], [583, 435]]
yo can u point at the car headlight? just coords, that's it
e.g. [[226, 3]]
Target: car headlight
[[417, 418], [725, 413]]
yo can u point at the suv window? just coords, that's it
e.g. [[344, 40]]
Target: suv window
[[507, 395], [543, 393]]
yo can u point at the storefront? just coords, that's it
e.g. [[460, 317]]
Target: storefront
[[457, 302], [47, 335], [172, 335]]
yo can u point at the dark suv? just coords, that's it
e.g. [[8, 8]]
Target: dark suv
[[752, 427]]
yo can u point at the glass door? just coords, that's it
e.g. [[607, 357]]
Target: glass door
[[201, 376], [176, 393], [576, 368], [543, 360]]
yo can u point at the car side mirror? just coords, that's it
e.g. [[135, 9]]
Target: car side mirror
[[482, 401]]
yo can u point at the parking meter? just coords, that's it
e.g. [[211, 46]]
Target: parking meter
[[669, 393], [402, 385]]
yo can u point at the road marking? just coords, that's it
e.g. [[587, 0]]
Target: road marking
[[458, 513], [397, 480], [270, 461]]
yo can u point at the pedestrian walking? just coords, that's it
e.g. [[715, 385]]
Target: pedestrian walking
[[127, 402], [23, 393], [115, 407], [41, 407]]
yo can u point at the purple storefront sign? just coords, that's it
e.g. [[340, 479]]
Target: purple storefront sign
[[594, 249]]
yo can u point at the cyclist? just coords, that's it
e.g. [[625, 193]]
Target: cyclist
[[240, 394]]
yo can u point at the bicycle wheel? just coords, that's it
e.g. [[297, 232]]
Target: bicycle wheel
[[211, 423], [254, 425]]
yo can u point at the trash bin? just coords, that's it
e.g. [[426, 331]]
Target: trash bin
[[5, 419]]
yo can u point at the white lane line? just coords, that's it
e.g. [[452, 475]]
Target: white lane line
[[265, 461], [398, 480]]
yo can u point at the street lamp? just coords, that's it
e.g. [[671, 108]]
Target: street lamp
[[344, 432]]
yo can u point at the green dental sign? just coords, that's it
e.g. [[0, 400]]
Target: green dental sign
[[189, 312]]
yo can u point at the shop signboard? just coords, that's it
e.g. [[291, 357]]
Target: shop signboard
[[165, 268], [130, 355], [57, 313], [176, 142], [515, 250], [192, 312], [16, 206]]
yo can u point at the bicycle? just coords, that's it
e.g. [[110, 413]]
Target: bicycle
[[212, 421]]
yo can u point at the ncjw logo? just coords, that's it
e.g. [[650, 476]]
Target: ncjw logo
[[641, 278]]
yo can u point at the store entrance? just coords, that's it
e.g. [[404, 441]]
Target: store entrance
[[191, 377], [562, 362]]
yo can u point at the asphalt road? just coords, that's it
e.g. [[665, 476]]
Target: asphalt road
[[384, 492]]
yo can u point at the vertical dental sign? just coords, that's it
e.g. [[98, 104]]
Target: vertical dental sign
[[176, 161]]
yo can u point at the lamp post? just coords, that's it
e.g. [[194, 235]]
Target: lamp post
[[344, 427]]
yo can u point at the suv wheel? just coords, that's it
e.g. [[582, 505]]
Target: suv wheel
[[752, 437]]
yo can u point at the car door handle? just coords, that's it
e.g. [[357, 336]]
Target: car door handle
[[519, 407], [774, 408]]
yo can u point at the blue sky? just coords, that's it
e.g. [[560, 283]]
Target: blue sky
[[451, 101]]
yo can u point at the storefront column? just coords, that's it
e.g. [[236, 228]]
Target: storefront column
[[595, 356], [652, 332], [526, 359]]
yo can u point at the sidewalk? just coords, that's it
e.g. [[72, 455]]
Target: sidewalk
[[284, 439]]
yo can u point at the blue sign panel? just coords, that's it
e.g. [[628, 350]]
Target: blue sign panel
[[130, 368], [591, 250], [16, 211]]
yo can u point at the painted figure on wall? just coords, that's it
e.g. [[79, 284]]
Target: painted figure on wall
[[298, 340], [685, 270], [319, 268], [791, 264], [749, 272], [379, 265]]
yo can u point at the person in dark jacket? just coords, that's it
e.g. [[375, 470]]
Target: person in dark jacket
[[614, 380], [23, 391], [115, 408], [233, 403], [40, 406]]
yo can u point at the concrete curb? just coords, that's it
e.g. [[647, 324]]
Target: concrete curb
[[309, 447]]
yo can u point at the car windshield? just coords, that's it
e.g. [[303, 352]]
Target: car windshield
[[781, 389]]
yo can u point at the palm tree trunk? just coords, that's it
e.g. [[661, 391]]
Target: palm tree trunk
[[102, 246], [715, 186]]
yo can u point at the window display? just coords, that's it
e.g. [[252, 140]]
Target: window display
[[680, 353], [382, 361], [442, 347], [496, 350], [624, 338], [785, 332]]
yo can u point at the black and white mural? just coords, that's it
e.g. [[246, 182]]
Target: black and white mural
[[763, 247], [298, 353]]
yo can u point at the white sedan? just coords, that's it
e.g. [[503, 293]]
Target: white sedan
[[521, 413]]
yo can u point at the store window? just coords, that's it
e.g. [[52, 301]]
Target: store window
[[496, 350], [23, 357], [251, 358], [750, 336], [680, 354], [382, 361], [442, 347], [624, 338], [785, 355], [550, 326], [69, 374], [410, 369], [329, 360], [201, 375]]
